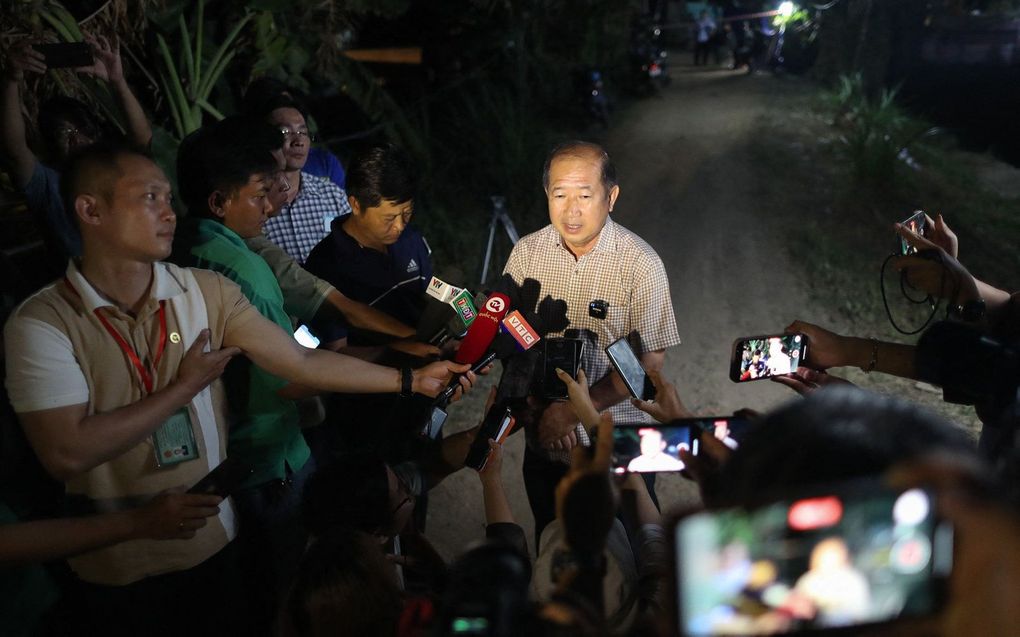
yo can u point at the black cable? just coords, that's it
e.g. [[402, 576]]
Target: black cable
[[903, 284]]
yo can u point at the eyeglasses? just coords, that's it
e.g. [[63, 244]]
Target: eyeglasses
[[289, 134]]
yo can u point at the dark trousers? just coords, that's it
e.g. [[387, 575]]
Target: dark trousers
[[205, 600], [541, 476], [701, 50], [272, 539]]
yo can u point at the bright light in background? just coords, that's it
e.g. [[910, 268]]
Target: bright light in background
[[786, 9]]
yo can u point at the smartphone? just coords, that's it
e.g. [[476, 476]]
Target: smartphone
[[758, 357], [498, 424], [564, 353], [857, 554], [917, 223], [654, 447], [437, 418], [627, 365], [304, 336], [63, 55], [225, 479]]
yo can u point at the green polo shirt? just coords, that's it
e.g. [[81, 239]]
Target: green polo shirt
[[267, 434]]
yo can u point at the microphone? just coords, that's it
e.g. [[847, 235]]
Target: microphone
[[483, 329], [516, 336]]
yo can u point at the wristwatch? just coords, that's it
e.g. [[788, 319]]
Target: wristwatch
[[406, 381], [970, 311]]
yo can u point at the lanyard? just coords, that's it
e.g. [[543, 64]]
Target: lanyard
[[132, 355]]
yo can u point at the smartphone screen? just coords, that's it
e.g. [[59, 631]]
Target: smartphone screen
[[842, 558], [917, 223], [564, 353], [304, 336], [655, 447], [627, 365], [758, 357]]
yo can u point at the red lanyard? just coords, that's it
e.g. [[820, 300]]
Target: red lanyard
[[132, 355]]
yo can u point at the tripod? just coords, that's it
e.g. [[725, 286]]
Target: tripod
[[499, 216]]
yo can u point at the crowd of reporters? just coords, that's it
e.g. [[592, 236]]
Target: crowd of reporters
[[331, 516]]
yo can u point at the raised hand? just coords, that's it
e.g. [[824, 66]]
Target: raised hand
[[667, 405], [433, 378], [22, 57], [107, 65]]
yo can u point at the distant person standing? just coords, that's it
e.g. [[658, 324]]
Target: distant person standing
[[704, 33]]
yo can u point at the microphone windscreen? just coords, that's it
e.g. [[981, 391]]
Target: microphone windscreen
[[483, 331], [434, 318]]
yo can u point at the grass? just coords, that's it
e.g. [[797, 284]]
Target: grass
[[841, 225]]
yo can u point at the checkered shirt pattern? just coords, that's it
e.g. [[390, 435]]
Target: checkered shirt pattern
[[622, 270], [303, 223]]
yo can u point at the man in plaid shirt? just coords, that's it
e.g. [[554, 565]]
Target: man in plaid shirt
[[313, 202], [613, 286]]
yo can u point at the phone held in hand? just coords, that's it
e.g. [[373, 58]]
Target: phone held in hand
[[759, 357], [628, 366], [225, 479], [654, 447], [564, 353], [65, 55], [856, 554], [916, 223], [498, 424]]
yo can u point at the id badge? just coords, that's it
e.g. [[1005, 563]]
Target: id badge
[[174, 441]]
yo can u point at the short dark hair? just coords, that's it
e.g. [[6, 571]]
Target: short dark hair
[[93, 167], [578, 148], [343, 581], [382, 172], [835, 434], [66, 109], [265, 95], [223, 156]]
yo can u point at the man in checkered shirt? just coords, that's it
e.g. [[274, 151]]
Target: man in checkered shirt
[[313, 202], [613, 285]]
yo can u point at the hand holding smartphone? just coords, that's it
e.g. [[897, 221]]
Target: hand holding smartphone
[[916, 223], [760, 357], [844, 556], [628, 366], [63, 55], [654, 447], [225, 479]]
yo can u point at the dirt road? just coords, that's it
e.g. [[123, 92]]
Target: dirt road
[[688, 186]]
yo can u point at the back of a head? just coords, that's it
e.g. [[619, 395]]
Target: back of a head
[[344, 586], [381, 172], [836, 434], [222, 157], [352, 491]]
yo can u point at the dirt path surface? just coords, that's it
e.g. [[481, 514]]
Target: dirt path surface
[[689, 188]]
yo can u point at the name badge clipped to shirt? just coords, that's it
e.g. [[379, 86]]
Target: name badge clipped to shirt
[[174, 441]]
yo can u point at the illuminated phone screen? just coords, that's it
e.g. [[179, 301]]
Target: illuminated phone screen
[[820, 562]]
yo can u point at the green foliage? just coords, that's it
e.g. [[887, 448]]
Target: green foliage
[[876, 133]]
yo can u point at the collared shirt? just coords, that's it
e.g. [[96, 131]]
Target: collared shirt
[[621, 270], [305, 221], [303, 292], [392, 282], [59, 354], [265, 432]]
